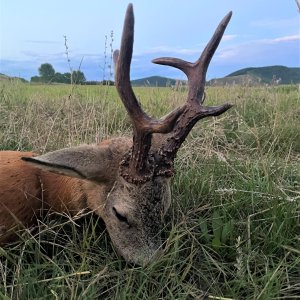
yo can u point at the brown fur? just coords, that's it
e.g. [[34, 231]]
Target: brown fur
[[26, 191]]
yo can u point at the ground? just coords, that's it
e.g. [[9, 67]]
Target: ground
[[233, 228]]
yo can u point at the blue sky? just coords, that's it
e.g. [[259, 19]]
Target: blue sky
[[261, 33]]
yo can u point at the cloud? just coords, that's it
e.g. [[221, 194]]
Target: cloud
[[34, 54], [169, 50], [163, 50], [228, 37], [41, 42], [277, 51], [281, 50], [279, 23], [288, 38], [228, 53]]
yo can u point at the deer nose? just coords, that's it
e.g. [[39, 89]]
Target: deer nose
[[156, 255], [150, 258]]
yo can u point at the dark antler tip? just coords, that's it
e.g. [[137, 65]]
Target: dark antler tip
[[156, 60], [227, 18], [225, 107], [129, 19], [129, 9]]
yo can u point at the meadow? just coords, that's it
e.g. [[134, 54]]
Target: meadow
[[233, 228]]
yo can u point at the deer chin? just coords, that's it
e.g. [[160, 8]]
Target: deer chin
[[138, 252], [133, 215]]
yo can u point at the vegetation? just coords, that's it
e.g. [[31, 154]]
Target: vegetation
[[46, 71], [48, 75], [232, 231]]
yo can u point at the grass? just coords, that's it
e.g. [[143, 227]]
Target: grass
[[232, 231]]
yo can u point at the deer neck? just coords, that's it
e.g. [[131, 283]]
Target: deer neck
[[63, 194]]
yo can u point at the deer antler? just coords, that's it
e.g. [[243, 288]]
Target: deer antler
[[137, 167], [141, 165], [193, 110]]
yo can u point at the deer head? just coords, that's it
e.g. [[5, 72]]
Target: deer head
[[146, 169], [132, 178]]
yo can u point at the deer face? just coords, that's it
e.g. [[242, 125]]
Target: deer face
[[134, 217]]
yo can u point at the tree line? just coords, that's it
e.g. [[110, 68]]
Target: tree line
[[47, 74]]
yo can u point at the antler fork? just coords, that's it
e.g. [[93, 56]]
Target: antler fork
[[141, 165], [193, 109], [137, 166]]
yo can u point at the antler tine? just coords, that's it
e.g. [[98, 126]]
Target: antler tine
[[194, 110], [196, 72], [136, 167], [122, 61], [213, 44]]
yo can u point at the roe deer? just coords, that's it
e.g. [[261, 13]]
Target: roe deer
[[126, 181]]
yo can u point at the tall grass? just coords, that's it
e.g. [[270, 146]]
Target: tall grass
[[233, 228]]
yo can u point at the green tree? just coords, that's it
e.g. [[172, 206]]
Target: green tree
[[62, 78], [46, 72], [67, 77], [78, 77], [58, 77], [35, 79]]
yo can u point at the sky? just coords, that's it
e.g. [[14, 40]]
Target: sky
[[260, 33]]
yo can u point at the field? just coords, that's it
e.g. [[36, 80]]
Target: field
[[233, 228]]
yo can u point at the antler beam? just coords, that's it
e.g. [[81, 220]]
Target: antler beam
[[137, 166]]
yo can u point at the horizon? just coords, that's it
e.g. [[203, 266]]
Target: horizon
[[259, 35]]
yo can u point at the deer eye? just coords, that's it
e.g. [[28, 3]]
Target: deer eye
[[120, 217]]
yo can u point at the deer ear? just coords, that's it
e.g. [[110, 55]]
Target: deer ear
[[90, 162]]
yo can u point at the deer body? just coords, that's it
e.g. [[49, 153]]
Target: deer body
[[124, 181], [35, 191]]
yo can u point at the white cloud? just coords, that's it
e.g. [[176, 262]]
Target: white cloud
[[277, 51], [169, 50], [228, 37], [287, 38], [279, 23], [227, 53], [41, 42]]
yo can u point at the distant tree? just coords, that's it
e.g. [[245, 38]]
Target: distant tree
[[62, 78], [36, 79], [92, 82], [58, 77], [46, 72], [107, 82], [78, 77], [67, 77]]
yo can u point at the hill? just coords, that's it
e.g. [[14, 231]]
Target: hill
[[272, 74], [248, 76], [244, 79], [4, 77], [154, 81]]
